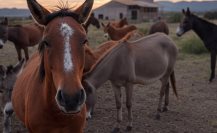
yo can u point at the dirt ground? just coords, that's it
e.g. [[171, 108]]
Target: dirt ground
[[194, 112]]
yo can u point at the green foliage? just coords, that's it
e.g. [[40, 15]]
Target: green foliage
[[193, 45], [175, 17], [211, 15], [143, 30]]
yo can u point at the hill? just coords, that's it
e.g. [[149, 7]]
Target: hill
[[202, 6], [14, 12]]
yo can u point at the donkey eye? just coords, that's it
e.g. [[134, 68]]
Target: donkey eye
[[84, 42], [46, 44]]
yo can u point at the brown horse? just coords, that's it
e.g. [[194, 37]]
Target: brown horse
[[117, 33], [129, 63], [92, 20], [120, 23], [23, 36], [48, 96], [160, 26]]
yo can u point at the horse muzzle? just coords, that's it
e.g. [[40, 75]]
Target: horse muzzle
[[1, 43], [71, 104]]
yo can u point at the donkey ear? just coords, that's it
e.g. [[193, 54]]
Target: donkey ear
[[84, 10], [183, 11], [188, 12], [5, 22], [39, 13]]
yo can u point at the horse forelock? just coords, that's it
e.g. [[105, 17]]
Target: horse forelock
[[63, 12]]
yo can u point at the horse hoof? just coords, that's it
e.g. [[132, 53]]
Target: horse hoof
[[116, 130], [129, 128], [157, 117], [165, 109]]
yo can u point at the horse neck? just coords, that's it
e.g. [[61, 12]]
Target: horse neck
[[202, 28], [12, 33]]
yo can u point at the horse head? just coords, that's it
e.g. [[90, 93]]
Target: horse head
[[62, 53], [186, 23]]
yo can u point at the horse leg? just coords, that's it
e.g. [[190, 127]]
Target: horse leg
[[19, 54], [26, 53], [118, 99], [166, 97], [213, 64], [129, 95], [164, 83], [8, 111]]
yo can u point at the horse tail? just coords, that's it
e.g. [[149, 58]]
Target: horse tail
[[173, 83]]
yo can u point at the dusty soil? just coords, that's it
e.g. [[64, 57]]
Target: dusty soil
[[194, 112]]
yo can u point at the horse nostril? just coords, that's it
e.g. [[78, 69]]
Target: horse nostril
[[61, 98], [1, 46], [82, 96]]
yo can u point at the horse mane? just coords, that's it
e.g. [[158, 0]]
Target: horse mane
[[203, 20]]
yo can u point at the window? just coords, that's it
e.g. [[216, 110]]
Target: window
[[134, 15], [121, 15], [100, 16]]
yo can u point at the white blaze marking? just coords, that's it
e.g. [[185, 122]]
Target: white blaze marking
[[1, 42], [67, 32], [179, 31]]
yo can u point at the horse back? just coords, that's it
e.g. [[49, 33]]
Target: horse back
[[160, 26], [32, 32]]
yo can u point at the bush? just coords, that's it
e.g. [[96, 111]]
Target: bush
[[175, 17], [211, 15], [193, 45]]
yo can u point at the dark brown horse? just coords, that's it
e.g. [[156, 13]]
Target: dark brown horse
[[23, 36], [92, 20], [48, 96], [160, 26], [117, 33], [205, 30], [129, 63]]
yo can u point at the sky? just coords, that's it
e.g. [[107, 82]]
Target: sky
[[52, 3]]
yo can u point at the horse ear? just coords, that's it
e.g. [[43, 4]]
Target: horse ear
[[38, 12], [103, 25], [188, 12], [84, 10]]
